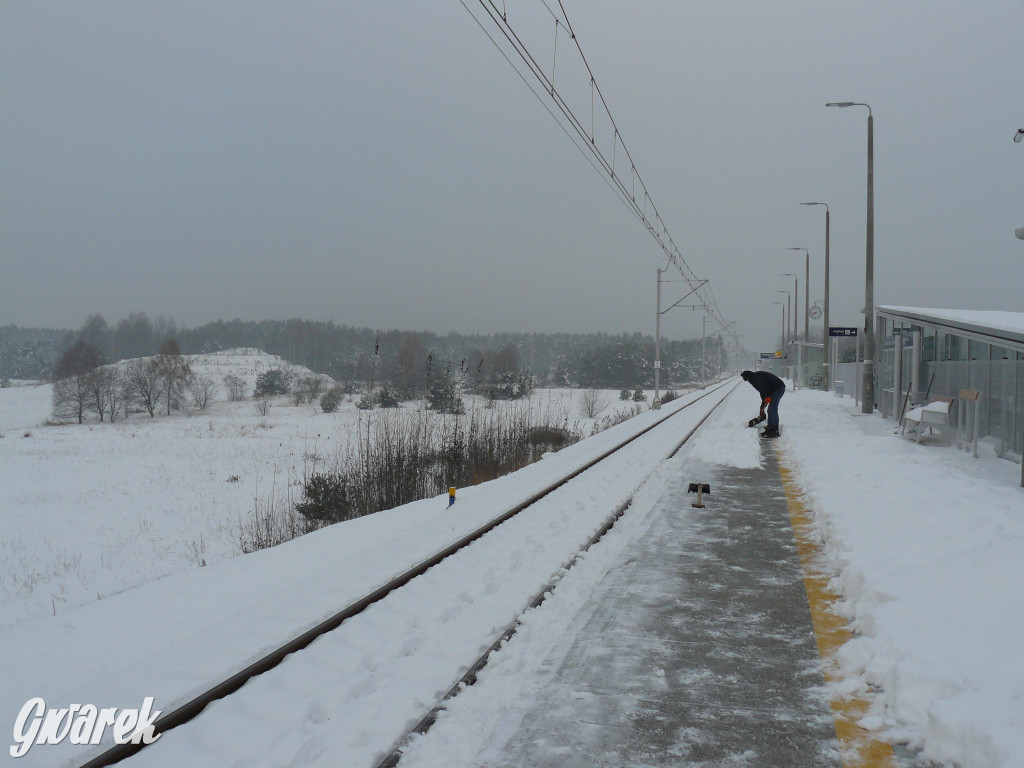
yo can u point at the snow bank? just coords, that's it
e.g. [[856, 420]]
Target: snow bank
[[927, 543]]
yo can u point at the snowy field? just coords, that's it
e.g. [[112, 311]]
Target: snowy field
[[172, 637], [925, 542], [90, 510]]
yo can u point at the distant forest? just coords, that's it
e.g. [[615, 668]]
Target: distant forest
[[355, 355]]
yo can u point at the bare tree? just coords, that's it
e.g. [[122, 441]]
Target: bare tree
[[593, 403], [174, 372], [72, 374], [236, 387], [263, 405], [100, 383], [202, 390], [314, 385], [308, 388], [117, 394], [72, 397], [145, 383]]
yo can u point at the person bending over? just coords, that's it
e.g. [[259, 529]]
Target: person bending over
[[771, 388]]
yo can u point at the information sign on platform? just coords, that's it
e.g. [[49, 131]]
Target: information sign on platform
[[834, 330]]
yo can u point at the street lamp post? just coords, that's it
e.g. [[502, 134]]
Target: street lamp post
[[796, 309], [783, 313], [787, 313], [1018, 137], [807, 289], [826, 339], [867, 406]]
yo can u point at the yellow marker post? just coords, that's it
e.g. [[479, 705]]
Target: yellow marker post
[[859, 746], [451, 496]]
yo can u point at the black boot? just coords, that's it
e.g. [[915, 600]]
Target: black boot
[[770, 431]]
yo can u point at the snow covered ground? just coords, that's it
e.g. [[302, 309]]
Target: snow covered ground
[[175, 636], [91, 510], [88, 511], [925, 542]]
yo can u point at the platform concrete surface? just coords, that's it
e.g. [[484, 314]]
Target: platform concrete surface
[[698, 650]]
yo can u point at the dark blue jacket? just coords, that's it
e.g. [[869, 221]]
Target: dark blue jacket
[[765, 383]]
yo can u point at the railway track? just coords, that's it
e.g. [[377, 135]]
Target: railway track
[[394, 617]]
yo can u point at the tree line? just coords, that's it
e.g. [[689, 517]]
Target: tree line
[[407, 360], [84, 384]]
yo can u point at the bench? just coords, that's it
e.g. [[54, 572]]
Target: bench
[[967, 418], [935, 414]]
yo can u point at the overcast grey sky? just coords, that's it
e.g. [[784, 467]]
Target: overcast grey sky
[[380, 164]]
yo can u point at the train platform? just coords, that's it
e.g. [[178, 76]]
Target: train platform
[[698, 649]]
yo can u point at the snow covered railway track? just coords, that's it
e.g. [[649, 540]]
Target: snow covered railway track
[[393, 637]]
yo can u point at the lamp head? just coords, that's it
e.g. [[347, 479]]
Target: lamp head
[[840, 104], [1019, 135], [812, 203]]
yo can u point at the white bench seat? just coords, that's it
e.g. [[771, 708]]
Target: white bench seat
[[935, 414]]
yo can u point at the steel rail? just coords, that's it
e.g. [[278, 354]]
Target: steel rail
[[192, 708], [469, 677]]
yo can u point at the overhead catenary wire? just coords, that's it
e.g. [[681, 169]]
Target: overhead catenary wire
[[563, 107], [618, 192], [585, 138]]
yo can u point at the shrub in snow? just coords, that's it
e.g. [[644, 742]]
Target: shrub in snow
[[624, 394], [236, 387], [202, 390], [639, 396], [330, 400], [272, 522], [326, 498], [365, 403], [509, 385], [618, 417], [276, 381], [388, 397], [443, 396], [592, 403]]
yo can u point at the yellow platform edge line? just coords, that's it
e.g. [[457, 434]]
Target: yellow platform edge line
[[858, 746]]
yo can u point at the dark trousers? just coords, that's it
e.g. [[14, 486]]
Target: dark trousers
[[773, 406]]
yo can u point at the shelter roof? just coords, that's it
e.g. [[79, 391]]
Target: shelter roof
[[993, 327]]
